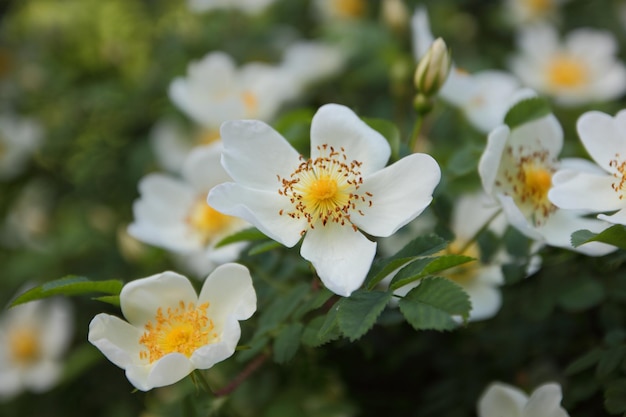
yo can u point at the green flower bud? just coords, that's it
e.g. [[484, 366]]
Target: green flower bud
[[433, 68]]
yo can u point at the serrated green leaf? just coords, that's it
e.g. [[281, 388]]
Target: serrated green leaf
[[358, 313], [287, 342], [513, 272], [388, 130], [70, 285], [526, 111], [109, 299], [615, 396], [330, 324], [246, 235], [614, 235], [281, 307], [426, 266], [315, 302], [256, 346], [311, 334], [610, 360], [584, 362], [432, 304], [420, 246]]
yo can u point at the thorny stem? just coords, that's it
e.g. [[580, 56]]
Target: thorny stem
[[243, 375]]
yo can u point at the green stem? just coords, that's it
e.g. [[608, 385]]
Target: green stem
[[482, 229], [416, 132], [198, 379]]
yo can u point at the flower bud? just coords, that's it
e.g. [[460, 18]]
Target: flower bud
[[432, 70]]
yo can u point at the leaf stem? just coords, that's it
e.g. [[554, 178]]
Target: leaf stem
[[243, 375]]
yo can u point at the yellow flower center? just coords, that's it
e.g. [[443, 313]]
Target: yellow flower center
[[24, 345], [528, 179], [207, 221], [208, 136], [181, 330], [567, 72], [466, 272], [325, 189], [350, 8], [538, 7], [250, 102], [620, 166]]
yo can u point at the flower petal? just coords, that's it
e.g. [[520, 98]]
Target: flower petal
[[340, 127], [545, 401], [254, 154], [202, 168], [168, 370], [57, 327], [141, 298], [490, 159], [603, 136], [341, 256], [116, 339], [615, 218], [207, 356], [42, 376], [584, 191], [229, 291], [501, 400], [260, 208], [400, 192]]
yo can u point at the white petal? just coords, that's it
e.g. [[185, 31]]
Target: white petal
[[163, 190], [517, 219], [420, 29], [42, 376], [501, 400], [203, 169], [545, 401], [207, 356], [490, 159], [341, 256], [483, 292], [255, 154], [260, 208], [616, 218], [229, 292], [10, 383], [141, 298], [585, 191], [400, 192], [116, 339], [544, 134], [603, 137], [340, 127], [58, 327], [168, 370]]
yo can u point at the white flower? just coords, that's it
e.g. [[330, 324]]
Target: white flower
[[582, 69], [246, 6], [172, 213], [483, 96], [516, 169], [502, 400], [171, 330], [33, 338], [343, 188], [19, 138], [340, 10], [598, 188], [215, 90]]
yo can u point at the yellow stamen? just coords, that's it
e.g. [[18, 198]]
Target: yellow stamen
[[24, 345], [208, 221], [325, 189], [182, 330], [567, 72], [620, 175]]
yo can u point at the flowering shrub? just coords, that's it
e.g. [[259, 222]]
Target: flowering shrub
[[312, 208]]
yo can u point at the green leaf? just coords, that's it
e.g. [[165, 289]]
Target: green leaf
[[526, 111], [256, 346], [109, 299], [614, 235], [615, 396], [584, 362], [425, 267], [311, 334], [610, 360], [388, 130], [281, 307], [315, 302], [358, 313], [246, 235], [420, 246], [263, 247], [69, 285], [581, 293], [329, 330], [287, 342], [431, 304]]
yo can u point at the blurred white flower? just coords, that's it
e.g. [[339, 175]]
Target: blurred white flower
[[483, 96], [33, 338], [340, 10], [19, 138], [342, 188], [246, 6], [516, 169], [172, 213], [523, 12], [583, 68], [599, 188], [502, 400], [171, 330], [216, 90]]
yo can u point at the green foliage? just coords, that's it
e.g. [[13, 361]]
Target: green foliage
[[614, 235], [431, 305], [425, 267], [246, 235], [70, 285], [526, 111], [358, 313], [287, 342]]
